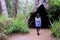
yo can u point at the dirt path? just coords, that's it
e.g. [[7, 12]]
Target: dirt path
[[45, 34]]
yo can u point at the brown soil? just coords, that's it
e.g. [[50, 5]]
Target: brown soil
[[45, 34]]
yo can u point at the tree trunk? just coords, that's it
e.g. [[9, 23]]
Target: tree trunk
[[15, 3], [4, 8], [0, 9], [36, 3]]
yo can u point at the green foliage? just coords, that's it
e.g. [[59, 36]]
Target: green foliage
[[21, 26], [2, 18], [17, 25], [54, 9], [25, 7], [2, 23], [54, 2], [9, 4], [13, 25], [11, 29], [3, 31], [20, 16], [55, 28], [54, 13]]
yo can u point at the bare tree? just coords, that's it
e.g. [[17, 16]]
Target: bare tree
[[4, 8]]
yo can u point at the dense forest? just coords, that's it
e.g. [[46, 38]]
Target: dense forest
[[15, 15]]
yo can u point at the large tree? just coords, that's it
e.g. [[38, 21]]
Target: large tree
[[4, 8], [38, 3]]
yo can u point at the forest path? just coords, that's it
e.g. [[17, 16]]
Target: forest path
[[45, 34]]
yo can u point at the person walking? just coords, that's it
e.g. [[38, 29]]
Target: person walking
[[38, 23]]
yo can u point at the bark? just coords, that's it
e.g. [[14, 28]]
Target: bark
[[35, 5], [38, 3], [0, 9], [15, 8], [25, 6], [4, 8]]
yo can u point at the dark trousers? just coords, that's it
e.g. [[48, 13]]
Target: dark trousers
[[38, 29]]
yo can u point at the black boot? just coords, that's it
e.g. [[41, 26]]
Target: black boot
[[38, 34], [38, 31]]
